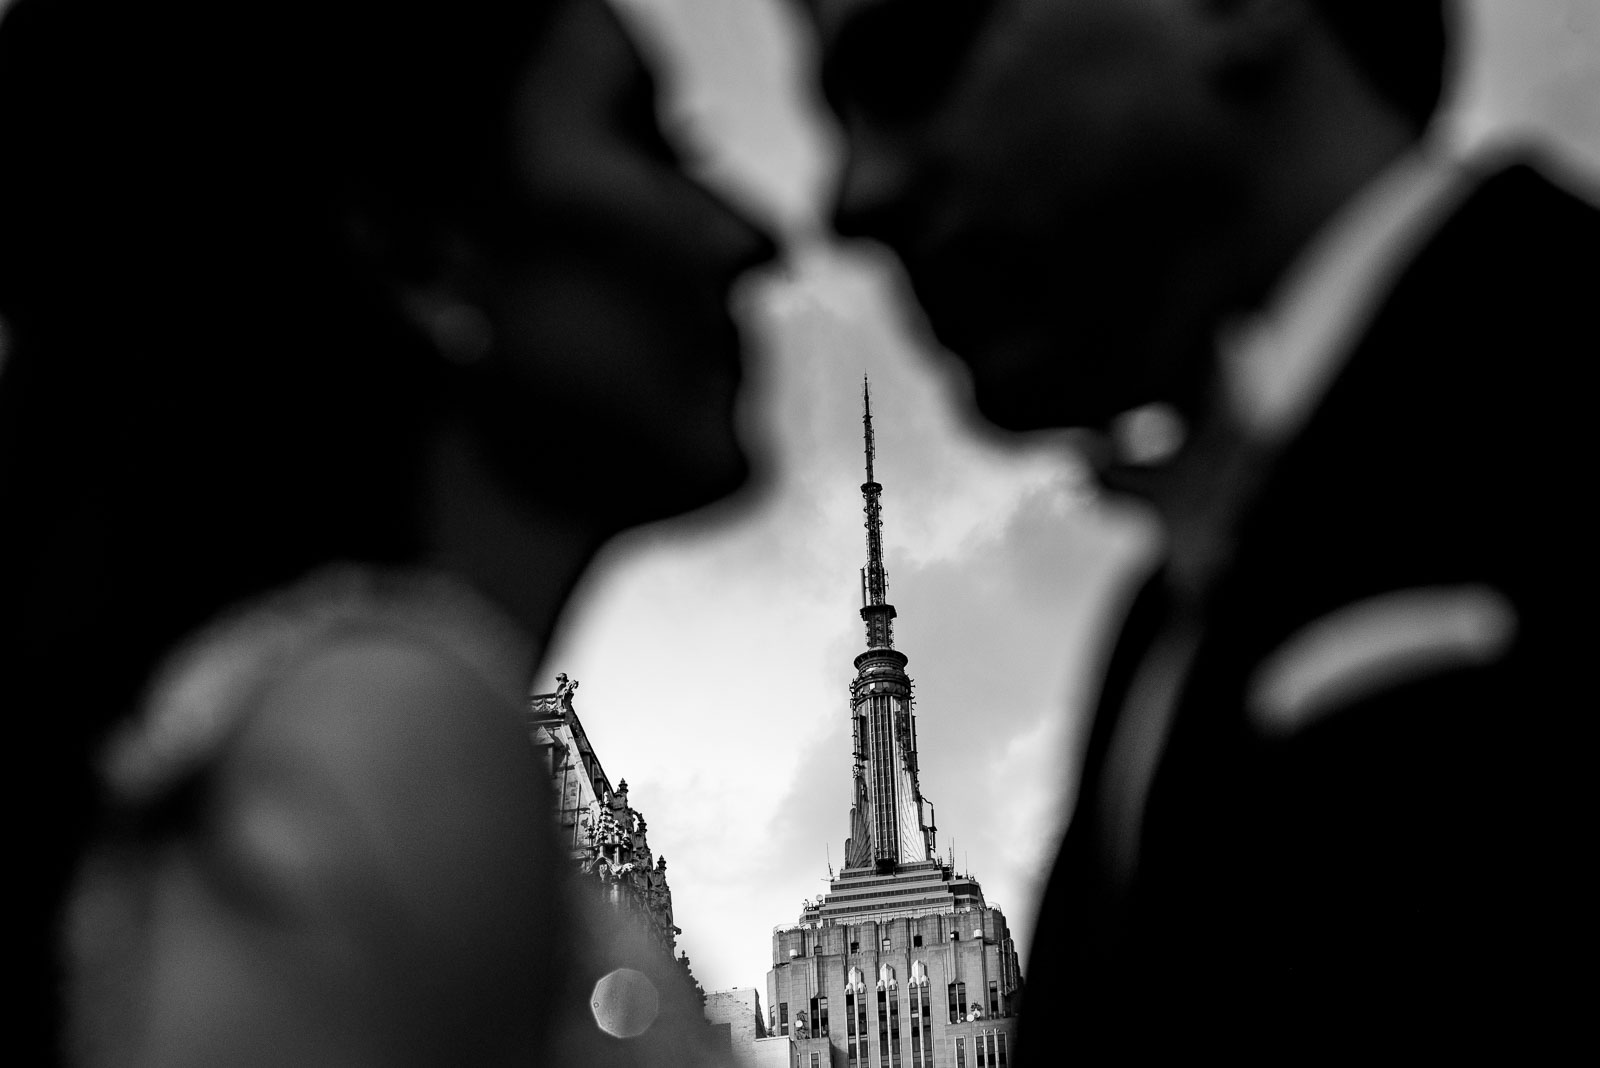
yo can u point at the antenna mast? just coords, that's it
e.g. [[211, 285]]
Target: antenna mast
[[880, 629], [866, 421]]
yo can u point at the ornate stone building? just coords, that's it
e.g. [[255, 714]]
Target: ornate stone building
[[901, 964], [607, 839]]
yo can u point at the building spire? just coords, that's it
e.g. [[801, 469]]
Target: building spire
[[866, 420], [887, 826], [892, 872], [876, 610]]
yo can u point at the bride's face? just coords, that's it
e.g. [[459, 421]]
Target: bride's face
[[613, 271]]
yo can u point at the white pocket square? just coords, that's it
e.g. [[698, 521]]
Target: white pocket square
[[1376, 644]]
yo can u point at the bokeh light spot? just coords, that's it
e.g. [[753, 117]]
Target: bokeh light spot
[[625, 1003]]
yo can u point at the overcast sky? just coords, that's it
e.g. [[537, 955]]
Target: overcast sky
[[715, 655]]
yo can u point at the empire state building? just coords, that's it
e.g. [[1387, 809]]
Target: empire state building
[[887, 828], [901, 964]]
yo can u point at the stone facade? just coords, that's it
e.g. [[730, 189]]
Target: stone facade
[[606, 838], [921, 986], [645, 1004]]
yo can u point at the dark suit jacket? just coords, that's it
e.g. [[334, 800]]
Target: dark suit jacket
[[1404, 867]]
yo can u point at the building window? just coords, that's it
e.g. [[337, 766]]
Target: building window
[[855, 947], [783, 1017], [955, 936], [958, 1002], [894, 1029], [816, 1060], [916, 941], [883, 1028], [1001, 1038], [961, 1053], [855, 1007], [927, 1028], [919, 1027], [981, 1042], [885, 945], [994, 998], [852, 1039], [821, 1015]]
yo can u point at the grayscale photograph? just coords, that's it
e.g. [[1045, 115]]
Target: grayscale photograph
[[798, 533]]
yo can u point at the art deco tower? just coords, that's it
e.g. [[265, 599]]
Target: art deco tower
[[901, 964], [887, 828]]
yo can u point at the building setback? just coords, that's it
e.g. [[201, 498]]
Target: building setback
[[901, 964]]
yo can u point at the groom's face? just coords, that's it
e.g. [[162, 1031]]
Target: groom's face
[[1036, 165]]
